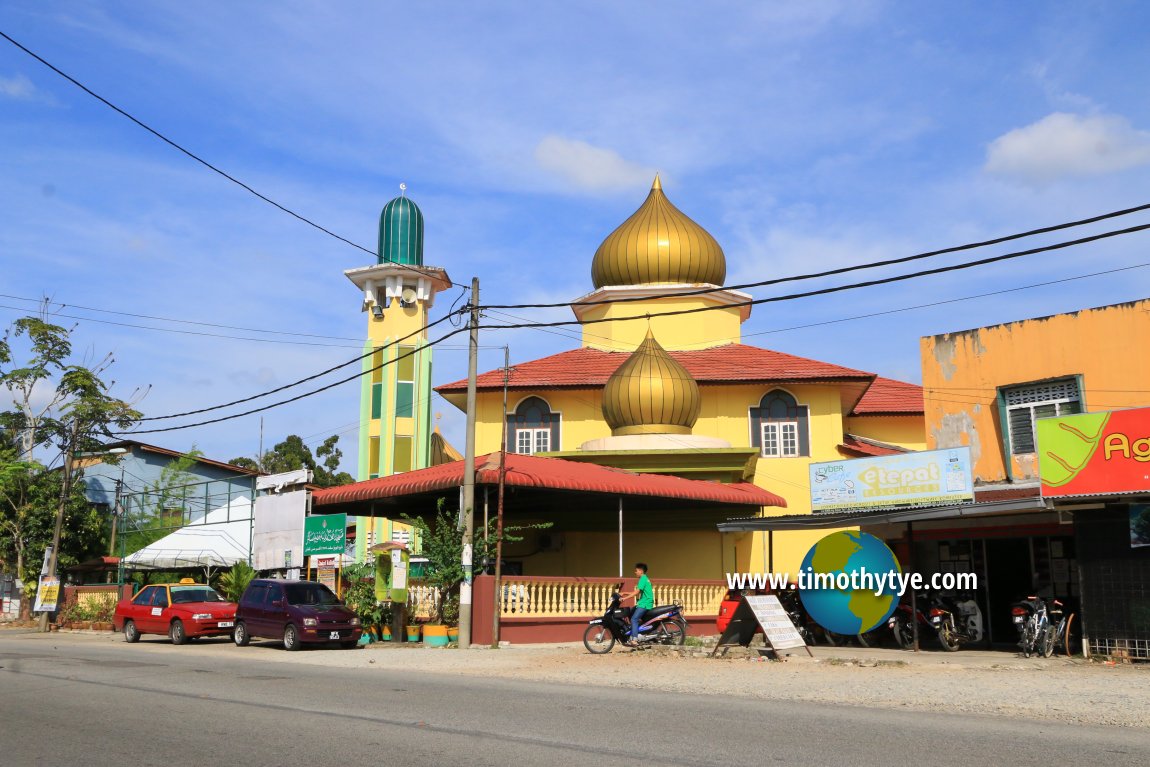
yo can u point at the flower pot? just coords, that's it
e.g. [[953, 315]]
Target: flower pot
[[413, 633], [453, 633], [435, 635], [386, 635]]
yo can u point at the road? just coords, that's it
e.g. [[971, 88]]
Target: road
[[66, 701]]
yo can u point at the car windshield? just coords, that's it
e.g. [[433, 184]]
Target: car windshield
[[311, 594], [186, 594]]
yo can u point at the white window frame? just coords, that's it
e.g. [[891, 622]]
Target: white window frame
[[1058, 394], [538, 440], [778, 431]]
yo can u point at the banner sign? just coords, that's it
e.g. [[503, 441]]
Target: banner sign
[[1094, 453], [926, 478], [325, 534], [47, 595]]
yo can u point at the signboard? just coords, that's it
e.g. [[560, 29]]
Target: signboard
[[399, 562], [47, 595], [766, 612], [326, 576], [325, 534], [777, 626], [1094, 453], [926, 478]]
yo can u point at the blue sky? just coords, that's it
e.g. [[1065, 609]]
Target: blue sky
[[802, 135]]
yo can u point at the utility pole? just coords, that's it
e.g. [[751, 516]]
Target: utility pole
[[497, 601], [65, 492], [469, 473]]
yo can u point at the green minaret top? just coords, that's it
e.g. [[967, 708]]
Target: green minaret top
[[401, 232]]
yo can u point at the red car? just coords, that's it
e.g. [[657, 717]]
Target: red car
[[181, 610]]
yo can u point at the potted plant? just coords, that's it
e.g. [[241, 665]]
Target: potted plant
[[103, 609], [451, 617], [360, 597]]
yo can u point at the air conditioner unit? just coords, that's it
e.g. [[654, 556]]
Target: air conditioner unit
[[551, 541]]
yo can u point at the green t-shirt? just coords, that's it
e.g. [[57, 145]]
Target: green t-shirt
[[646, 598]]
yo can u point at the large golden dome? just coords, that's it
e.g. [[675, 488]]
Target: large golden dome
[[658, 243], [650, 393]]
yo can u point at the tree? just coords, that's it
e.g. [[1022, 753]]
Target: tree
[[441, 543], [293, 454], [56, 407]]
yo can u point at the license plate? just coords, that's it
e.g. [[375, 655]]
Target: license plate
[[1018, 619], [334, 635], [227, 624]]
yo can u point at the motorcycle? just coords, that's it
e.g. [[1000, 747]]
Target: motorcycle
[[902, 620], [661, 625], [809, 629], [1039, 625], [955, 621]]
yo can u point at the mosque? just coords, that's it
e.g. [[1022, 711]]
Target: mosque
[[636, 444]]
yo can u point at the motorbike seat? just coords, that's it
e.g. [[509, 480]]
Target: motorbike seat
[[658, 610]]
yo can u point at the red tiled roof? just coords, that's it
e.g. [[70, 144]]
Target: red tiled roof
[[861, 446], [887, 396], [550, 473], [590, 368]]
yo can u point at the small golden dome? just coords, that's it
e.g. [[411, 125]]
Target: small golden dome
[[658, 243], [650, 393]]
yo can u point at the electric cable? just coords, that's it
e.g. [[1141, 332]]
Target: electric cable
[[199, 159], [296, 383], [844, 269], [296, 398], [835, 289]]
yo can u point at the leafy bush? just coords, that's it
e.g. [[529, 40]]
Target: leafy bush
[[235, 581]]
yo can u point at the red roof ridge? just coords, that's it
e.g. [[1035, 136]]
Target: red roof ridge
[[888, 396]]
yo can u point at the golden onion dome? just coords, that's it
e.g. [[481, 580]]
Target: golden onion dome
[[650, 393], [658, 243]]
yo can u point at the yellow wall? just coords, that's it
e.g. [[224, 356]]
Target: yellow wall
[[682, 331], [724, 414], [962, 372], [907, 431]]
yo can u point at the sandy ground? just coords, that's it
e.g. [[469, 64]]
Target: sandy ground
[[975, 682]]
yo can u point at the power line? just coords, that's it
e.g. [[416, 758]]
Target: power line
[[199, 159], [295, 398], [63, 305], [845, 269], [300, 381], [835, 289], [186, 332]]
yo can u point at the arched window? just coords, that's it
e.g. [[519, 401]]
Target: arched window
[[533, 428], [779, 426]]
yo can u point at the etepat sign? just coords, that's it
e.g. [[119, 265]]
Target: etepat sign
[[1094, 453], [325, 534], [925, 478]]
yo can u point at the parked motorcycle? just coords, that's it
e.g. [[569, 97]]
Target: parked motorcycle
[[955, 621], [809, 629], [661, 625], [1041, 625]]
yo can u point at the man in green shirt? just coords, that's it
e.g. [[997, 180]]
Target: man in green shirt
[[644, 600]]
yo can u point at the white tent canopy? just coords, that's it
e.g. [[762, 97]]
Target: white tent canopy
[[220, 539]]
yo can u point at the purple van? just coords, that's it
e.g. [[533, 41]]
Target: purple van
[[297, 612]]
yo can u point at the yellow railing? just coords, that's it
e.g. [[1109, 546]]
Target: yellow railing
[[584, 597]]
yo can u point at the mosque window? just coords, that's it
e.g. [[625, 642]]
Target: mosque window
[[377, 384], [405, 382], [779, 426], [533, 428], [402, 455]]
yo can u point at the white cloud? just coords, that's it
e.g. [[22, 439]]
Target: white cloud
[[18, 87], [1062, 144], [589, 167]]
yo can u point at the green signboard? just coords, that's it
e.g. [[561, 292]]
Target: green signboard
[[325, 534]]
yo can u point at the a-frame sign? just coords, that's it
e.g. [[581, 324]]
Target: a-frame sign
[[766, 612]]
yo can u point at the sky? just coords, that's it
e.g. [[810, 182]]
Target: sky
[[802, 135]]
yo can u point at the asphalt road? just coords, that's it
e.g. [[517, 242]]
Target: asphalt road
[[69, 702]]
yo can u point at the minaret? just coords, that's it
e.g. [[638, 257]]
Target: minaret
[[395, 400]]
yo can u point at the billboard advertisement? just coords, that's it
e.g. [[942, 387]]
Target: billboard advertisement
[[1094, 453], [926, 478]]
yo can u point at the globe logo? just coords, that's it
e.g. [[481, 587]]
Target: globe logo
[[849, 605]]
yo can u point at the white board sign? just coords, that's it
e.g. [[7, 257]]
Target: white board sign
[[776, 623]]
